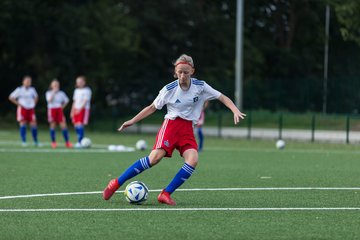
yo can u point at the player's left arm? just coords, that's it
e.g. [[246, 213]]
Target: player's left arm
[[228, 103], [36, 99], [36, 96], [86, 99], [65, 102]]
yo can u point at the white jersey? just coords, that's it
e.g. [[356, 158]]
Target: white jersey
[[186, 104], [59, 98], [82, 95], [25, 96]]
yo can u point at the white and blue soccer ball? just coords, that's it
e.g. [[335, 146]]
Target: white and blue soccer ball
[[280, 144], [85, 142], [136, 192], [141, 145]]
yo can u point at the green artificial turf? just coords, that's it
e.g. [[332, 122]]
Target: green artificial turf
[[223, 164]]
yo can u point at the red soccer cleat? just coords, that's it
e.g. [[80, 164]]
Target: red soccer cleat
[[68, 145], [164, 197], [53, 145], [111, 189]]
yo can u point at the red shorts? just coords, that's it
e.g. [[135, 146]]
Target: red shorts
[[27, 115], [81, 117], [56, 115], [178, 133]]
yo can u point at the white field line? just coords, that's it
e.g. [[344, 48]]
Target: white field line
[[176, 209], [194, 189], [39, 150], [102, 148]]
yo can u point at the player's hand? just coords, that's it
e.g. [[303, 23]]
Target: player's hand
[[237, 116], [125, 125]]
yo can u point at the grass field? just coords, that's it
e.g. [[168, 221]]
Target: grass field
[[240, 190]]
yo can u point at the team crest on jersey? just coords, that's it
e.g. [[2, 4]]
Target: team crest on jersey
[[196, 99], [166, 143]]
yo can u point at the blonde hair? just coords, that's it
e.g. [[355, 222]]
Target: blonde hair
[[184, 59]]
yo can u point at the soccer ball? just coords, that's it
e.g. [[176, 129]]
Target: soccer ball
[[85, 143], [136, 192], [280, 144], [141, 145]]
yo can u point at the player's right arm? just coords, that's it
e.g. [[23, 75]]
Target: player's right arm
[[14, 101], [72, 111], [13, 97], [65, 100], [147, 111]]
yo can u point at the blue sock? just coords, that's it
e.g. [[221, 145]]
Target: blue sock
[[138, 167], [185, 172], [34, 134], [65, 133], [80, 132], [23, 133], [52, 134], [201, 138]]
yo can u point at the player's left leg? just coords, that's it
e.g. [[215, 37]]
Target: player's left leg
[[31, 118], [80, 119], [80, 132], [34, 133], [65, 133], [191, 160]]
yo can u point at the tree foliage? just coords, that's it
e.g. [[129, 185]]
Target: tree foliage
[[126, 48]]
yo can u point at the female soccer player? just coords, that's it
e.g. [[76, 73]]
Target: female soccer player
[[56, 102], [26, 98], [184, 99], [80, 110]]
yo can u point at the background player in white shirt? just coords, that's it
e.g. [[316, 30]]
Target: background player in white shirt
[[184, 99], [199, 125], [56, 102], [25, 98], [80, 110]]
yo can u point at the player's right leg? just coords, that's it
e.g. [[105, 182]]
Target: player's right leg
[[34, 133], [139, 166], [20, 117], [52, 134], [22, 129]]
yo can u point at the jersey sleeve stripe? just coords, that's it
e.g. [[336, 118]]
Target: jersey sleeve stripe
[[171, 85], [198, 82]]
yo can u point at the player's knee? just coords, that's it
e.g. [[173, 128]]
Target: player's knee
[[191, 157], [156, 156], [192, 161]]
